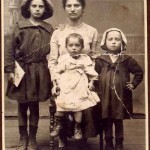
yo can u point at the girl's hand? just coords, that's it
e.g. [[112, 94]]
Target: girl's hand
[[11, 77], [129, 86], [91, 86], [55, 90]]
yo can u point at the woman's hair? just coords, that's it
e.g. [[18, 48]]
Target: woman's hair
[[83, 3], [75, 35], [47, 13]]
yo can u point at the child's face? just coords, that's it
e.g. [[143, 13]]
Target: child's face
[[74, 46], [37, 8], [113, 41]]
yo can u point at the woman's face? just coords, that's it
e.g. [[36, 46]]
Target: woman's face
[[37, 8], [113, 41], [73, 9]]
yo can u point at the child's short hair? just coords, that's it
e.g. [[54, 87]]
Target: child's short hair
[[48, 9], [103, 41], [75, 35]]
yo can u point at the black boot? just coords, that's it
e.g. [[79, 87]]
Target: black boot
[[78, 131], [119, 144], [23, 138], [109, 144], [32, 144], [57, 127]]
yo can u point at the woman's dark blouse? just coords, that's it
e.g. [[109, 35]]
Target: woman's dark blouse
[[113, 78], [29, 47]]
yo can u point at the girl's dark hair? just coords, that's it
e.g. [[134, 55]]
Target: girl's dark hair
[[83, 3], [26, 13], [75, 35]]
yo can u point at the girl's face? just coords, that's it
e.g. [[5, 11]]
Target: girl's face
[[74, 46], [37, 8], [73, 9], [113, 41]]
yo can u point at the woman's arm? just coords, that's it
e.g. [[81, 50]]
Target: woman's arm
[[95, 48], [54, 54]]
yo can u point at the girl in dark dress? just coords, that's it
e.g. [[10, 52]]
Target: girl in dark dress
[[29, 47], [115, 87]]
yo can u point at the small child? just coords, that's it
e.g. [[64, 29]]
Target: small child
[[29, 47], [74, 75], [115, 86]]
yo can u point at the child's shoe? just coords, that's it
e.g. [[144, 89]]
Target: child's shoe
[[32, 144], [23, 138], [22, 143], [57, 127], [109, 144], [77, 131], [119, 144]]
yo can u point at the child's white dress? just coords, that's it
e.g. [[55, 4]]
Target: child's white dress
[[72, 75]]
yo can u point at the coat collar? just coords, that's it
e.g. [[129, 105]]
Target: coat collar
[[121, 58], [26, 23]]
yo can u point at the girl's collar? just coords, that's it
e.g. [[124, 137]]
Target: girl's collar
[[26, 23], [121, 58]]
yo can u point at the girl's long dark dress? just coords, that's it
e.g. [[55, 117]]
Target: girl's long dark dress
[[29, 47], [116, 98]]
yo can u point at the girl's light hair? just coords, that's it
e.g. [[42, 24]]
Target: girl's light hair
[[75, 35], [124, 39]]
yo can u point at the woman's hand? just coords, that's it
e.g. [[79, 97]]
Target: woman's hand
[[11, 77], [129, 86], [91, 85], [55, 90]]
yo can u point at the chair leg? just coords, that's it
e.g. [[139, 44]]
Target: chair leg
[[52, 109]]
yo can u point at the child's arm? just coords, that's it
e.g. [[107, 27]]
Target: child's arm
[[135, 69], [91, 85], [9, 63]]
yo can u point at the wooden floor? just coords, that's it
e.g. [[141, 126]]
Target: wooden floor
[[134, 136]]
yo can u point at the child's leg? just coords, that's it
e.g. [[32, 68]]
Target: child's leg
[[22, 121], [77, 129], [58, 124], [119, 134], [33, 124], [108, 129], [78, 116]]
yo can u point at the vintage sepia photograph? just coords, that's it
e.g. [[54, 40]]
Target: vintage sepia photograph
[[74, 75]]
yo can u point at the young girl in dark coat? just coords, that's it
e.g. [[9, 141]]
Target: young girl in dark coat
[[29, 47], [115, 86]]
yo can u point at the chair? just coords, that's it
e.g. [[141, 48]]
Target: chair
[[52, 109]]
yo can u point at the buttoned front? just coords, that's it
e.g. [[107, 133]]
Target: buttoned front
[[29, 47]]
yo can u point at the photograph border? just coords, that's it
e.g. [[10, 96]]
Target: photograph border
[[147, 74]]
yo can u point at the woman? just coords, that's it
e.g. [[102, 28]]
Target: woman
[[74, 11]]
